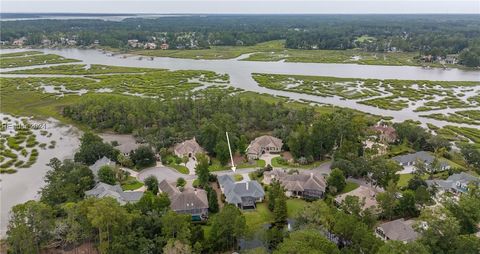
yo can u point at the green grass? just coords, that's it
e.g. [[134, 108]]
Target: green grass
[[349, 187], [238, 177], [180, 168], [19, 54], [257, 218], [256, 164], [131, 184], [80, 69], [294, 206], [389, 94], [277, 164], [261, 215], [34, 59], [215, 52]]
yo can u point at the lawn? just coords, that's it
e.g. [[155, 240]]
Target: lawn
[[349, 187], [256, 164], [277, 164], [131, 184], [33, 59], [180, 168], [261, 215], [238, 177]]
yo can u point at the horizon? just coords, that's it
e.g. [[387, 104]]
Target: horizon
[[263, 7]]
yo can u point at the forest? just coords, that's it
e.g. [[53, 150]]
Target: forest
[[436, 35]]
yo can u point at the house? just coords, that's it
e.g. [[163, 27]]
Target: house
[[397, 230], [19, 42], [408, 161], [301, 185], [46, 42], [164, 46], [451, 59], [244, 195], [104, 161], [96, 42], [385, 133], [71, 42], [366, 194], [189, 201], [263, 144], [379, 148], [188, 148], [102, 190], [150, 45], [456, 183]]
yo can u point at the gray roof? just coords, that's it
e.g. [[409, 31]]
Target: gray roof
[[187, 199], [424, 156], [104, 161], [188, 146], [296, 182], [234, 192], [399, 230], [261, 142], [458, 182], [114, 191]]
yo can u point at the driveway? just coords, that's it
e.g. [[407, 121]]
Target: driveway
[[267, 157], [191, 166], [162, 173]]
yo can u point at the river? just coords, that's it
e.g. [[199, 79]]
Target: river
[[240, 73]]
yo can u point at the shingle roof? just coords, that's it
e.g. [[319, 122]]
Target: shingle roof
[[454, 181], [399, 230], [114, 191], [100, 163], [413, 157], [184, 200], [369, 193], [234, 192], [188, 146], [296, 182], [189, 199], [264, 141]]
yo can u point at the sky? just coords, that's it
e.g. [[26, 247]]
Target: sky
[[238, 7]]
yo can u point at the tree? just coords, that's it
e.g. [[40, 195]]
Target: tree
[[467, 244], [422, 196], [201, 170], [388, 201], [77, 226], [397, 247], [181, 182], [407, 204], [93, 148], [30, 227], [153, 204], [176, 226], [124, 160], [384, 171], [176, 247], [273, 193], [110, 220], [106, 175], [416, 182], [152, 184], [471, 154], [227, 227], [185, 160], [222, 152], [212, 200], [466, 210], [336, 181], [438, 229], [66, 182], [306, 241], [143, 156], [280, 210]]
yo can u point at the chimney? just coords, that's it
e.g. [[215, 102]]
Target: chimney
[[195, 190], [311, 174], [246, 185]]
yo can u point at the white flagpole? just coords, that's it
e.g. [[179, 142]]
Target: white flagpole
[[230, 150]]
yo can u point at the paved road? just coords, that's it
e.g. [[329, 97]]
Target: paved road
[[170, 174]]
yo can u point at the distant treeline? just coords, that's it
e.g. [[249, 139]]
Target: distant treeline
[[437, 35]]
